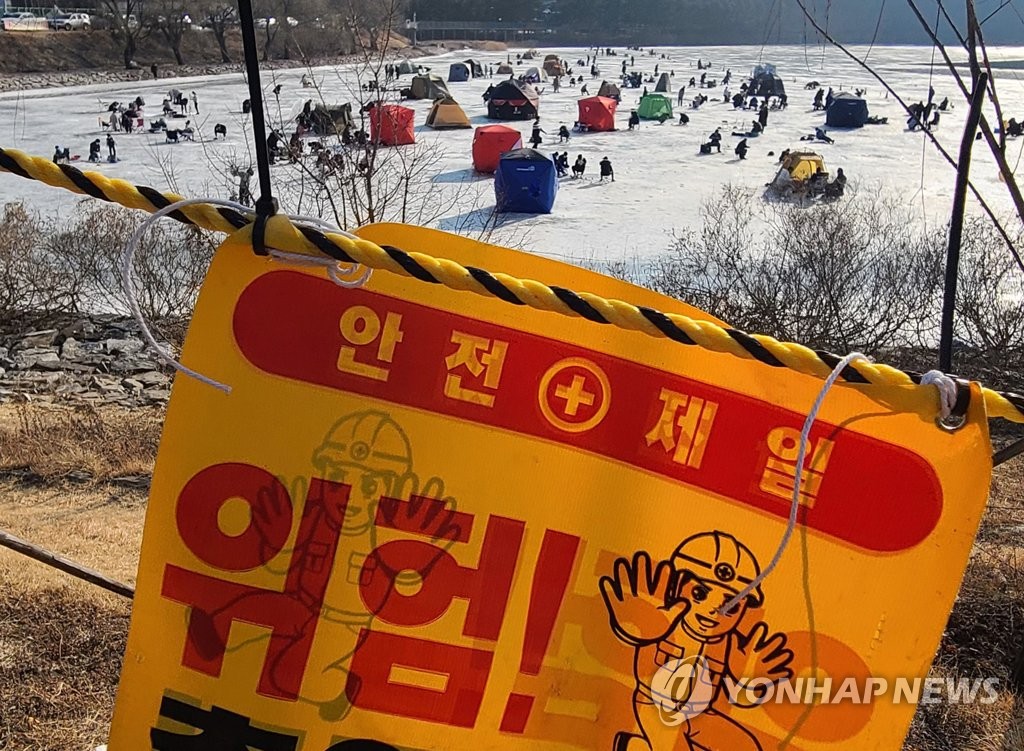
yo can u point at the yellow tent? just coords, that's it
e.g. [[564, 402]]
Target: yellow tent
[[802, 165], [446, 113]]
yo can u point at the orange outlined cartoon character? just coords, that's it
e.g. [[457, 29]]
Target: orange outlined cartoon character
[[687, 647]]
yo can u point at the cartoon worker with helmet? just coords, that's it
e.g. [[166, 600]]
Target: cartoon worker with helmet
[[371, 453], [687, 646]]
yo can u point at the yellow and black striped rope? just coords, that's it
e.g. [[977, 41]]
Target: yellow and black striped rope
[[282, 234]]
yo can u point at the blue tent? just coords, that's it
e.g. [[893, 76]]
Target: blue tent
[[459, 72], [525, 183], [847, 111]]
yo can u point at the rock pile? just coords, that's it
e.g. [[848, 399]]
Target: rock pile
[[98, 360]]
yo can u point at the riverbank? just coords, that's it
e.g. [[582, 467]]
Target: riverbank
[[89, 74]]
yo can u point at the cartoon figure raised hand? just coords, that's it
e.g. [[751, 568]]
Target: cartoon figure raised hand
[[690, 642]]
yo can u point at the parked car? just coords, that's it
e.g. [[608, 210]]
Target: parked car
[[262, 23], [72, 22], [53, 18]]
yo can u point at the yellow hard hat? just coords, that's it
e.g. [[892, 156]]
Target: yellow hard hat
[[368, 439], [720, 559]]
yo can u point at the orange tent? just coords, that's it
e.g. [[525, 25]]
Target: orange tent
[[392, 125], [598, 112], [490, 142]]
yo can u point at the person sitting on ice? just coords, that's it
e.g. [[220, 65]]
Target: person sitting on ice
[[837, 187], [579, 167], [563, 133], [742, 148], [944, 104], [684, 118], [1013, 128], [737, 100], [821, 135], [583, 90], [606, 169], [818, 182], [715, 139], [94, 151], [58, 155], [307, 82], [634, 120]]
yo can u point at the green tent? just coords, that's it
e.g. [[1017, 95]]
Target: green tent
[[655, 107]]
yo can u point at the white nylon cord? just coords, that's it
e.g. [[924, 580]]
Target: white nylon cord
[[805, 438], [334, 269]]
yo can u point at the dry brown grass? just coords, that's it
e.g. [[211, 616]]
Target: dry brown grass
[[60, 655], [81, 443]]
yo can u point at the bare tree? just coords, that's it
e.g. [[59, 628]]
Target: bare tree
[[220, 16], [126, 25], [173, 22]]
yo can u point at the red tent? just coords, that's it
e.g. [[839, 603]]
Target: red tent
[[392, 125], [598, 112], [490, 142]]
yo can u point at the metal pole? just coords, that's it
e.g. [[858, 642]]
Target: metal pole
[[956, 224], [259, 125]]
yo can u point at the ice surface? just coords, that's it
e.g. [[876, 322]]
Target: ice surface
[[660, 178]]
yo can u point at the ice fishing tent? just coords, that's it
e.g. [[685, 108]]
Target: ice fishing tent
[[535, 75], [802, 165], [458, 72], [330, 120], [525, 183], [551, 56], [554, 67], [598, 113], [406, 68], [610, 90], [446, 113], [529, 54], [847, 111], [504, 70], [513, 100], [428, 86], [654, 107], [490, 142], [392, 125], [765, 82], [664, 83], [475, 69]]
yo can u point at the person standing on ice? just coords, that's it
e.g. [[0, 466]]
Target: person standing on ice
[[762, 115], [195, 102], [682, 96], [111, 149], [819, 103], [155, 71], [244, 193], [535, 139]]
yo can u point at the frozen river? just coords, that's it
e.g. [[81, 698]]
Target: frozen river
[[661, 179]]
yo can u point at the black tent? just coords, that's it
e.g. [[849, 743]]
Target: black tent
[[847, 111], [331, 120], [765, 82], [513, 100], [475, 68]]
